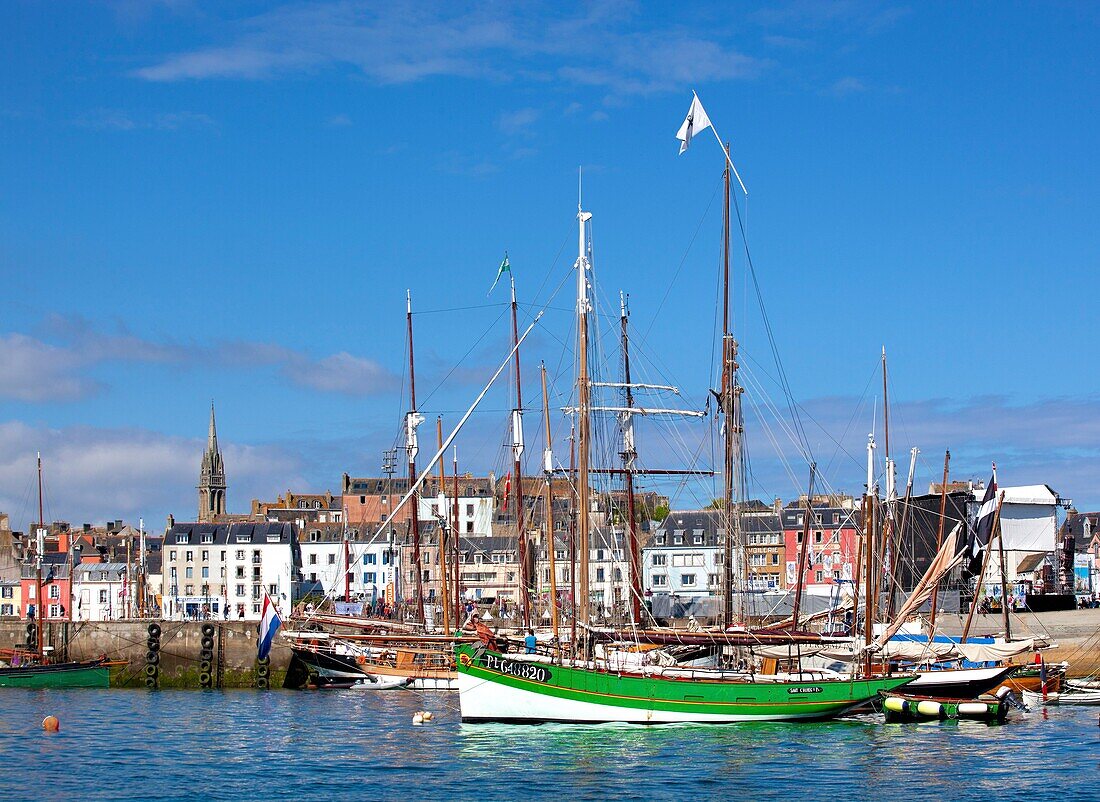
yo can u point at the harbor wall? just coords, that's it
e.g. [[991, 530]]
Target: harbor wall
[[179, 654]]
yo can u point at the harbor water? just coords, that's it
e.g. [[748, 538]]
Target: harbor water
[[132, 744]]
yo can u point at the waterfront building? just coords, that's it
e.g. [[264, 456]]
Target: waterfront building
[[834, 529], [223, 570], [11, 597], [685, 555], [56, 588], [372, 499], [102, 591], [374, 560], [301, 508]]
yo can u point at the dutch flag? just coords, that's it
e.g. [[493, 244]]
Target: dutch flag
[[269, 625]]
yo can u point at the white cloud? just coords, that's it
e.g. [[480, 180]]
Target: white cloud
[[92, 475], [848, 85], [34, 370], [399, 42], [517, 122]]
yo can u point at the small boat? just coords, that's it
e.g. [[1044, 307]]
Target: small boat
[[373, 683], [1067, 697], [88, 674], [909, 708], [959, 683], [1030, 678]]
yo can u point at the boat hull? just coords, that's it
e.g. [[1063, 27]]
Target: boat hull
[[493, 687], [964, 683], [61, 675]]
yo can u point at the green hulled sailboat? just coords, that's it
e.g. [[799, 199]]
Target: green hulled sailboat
[[526, 689], [93, 674]]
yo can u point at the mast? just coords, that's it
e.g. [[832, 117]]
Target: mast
[[939, 541], [143, 568], [517, 452], [869, 549], [804, 549], [347, 560], [456, 545], [548, 471], [40, 545], [573, 539], [886, 544], [1004, 572], [900, 538], [629, 456], [443, 590], [412, 420], [583, 403]]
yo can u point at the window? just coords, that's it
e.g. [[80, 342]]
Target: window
[[173, 572], [208, 537], [659, 538], [172, 555], [818, 576], [469, 527], [189, 556], [255, 609], [181, 538], [386, 557], [55, 592], [369, 578], [221, 572], [189, 572], [255, 591], [660, 580], [205, 555], [314, 536], [817, 537], [599, 555], [659, 559], [559, 554], [55, 611], [678, 537], [775, 558], [697, 537], [189, 590], [7, 609], [599, 575], [6, 592], [240, 590], [712, 580], [687, 580], [273, 589], [102, 597], [240, 554], [427, 575], [499, 558], [362, 499], [240, 572], [205, 572], [332, 559], [435, 510], [618, 574], [469, 510], [313, 559], [223, 556], [370, 559]]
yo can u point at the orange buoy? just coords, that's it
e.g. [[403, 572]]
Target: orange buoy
[[51, 724]]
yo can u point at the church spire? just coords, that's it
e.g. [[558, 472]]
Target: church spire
[[212, 484]]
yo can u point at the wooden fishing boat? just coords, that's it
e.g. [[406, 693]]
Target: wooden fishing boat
[[89, 674], [910, 708], [1029, 678], [531, 689]]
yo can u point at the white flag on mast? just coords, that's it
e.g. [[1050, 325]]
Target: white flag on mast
[[696, 121]]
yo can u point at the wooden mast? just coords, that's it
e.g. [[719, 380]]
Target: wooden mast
[[1004, 572], [803, 550], [442, 539], [895, 555], [583, 434], [869, 551], [573, 539], [40, 546], [517, 452], [548, 471], [457, 543], [726, 400], [629, 456], [411, 422], [885, 545], [939, 541]]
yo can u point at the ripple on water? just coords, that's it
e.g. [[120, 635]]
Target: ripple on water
[[250, 745]]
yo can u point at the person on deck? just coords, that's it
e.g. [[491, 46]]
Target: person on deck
[[530, 642], [484, 634]]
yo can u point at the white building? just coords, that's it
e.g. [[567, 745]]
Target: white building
[[100, 592], [223, 570], [325, 561]]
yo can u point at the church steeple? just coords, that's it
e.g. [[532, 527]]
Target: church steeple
[[212, 484]]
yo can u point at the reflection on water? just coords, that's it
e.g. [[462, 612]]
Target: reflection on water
[[351, 744]]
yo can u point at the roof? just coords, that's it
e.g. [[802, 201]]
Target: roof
[[100, 572], [1030, 563], [255, 533], [1030, 494]]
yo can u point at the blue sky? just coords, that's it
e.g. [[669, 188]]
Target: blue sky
[[209, 201]]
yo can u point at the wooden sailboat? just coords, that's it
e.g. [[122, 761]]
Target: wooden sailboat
[[494, 686]]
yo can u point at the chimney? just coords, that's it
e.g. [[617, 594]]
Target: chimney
[[171, 521]]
